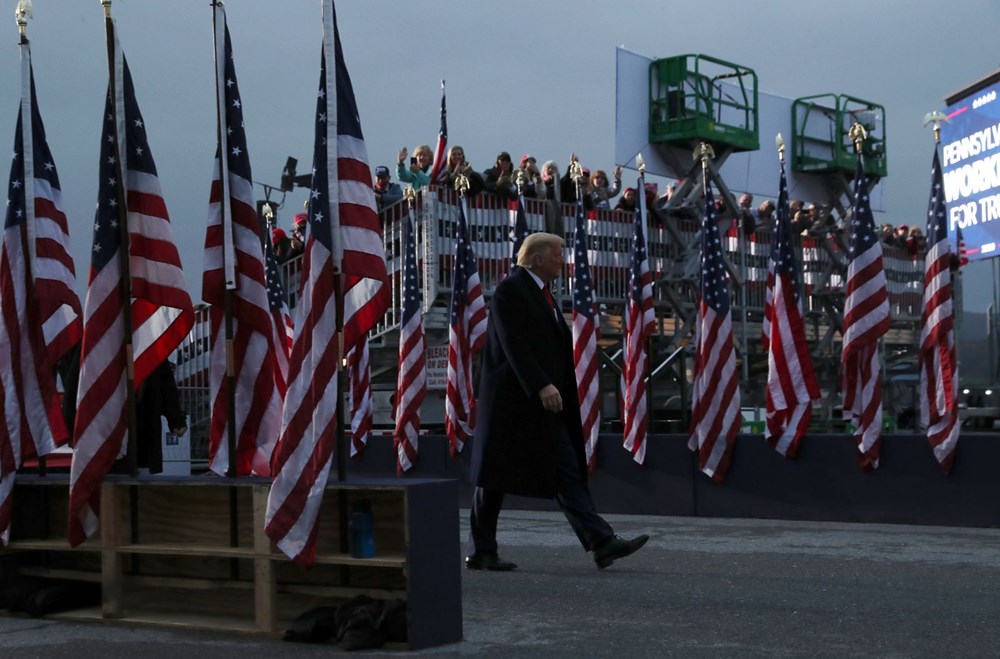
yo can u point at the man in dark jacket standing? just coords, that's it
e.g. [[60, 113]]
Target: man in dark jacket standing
[[529, 438]]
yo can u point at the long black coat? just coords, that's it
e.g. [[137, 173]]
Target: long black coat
[[527, 347], [158, 397]]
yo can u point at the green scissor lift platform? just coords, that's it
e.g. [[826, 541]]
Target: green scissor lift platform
[[821, 142], [701, 98]]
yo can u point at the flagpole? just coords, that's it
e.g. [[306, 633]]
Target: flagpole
[[123, 247], [935, 119], [228, 247], [22, 13], [648, 375]]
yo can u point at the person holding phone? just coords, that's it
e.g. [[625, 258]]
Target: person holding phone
[[418, 174], [531, 177]]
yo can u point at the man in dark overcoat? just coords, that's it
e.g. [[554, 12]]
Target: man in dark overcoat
[[529, 436]]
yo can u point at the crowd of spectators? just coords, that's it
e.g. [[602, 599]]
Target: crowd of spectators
[[595, 188], [909, 238]]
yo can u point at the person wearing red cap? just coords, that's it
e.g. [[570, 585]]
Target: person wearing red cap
[[297, 240], [282, 245], [627, 202]]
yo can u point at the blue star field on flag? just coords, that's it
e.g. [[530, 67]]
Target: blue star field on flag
[[43, 164], [782, 244], [465, 267], [107, 229], [862, 223], [714, 281], [937, 227], [520, 231], [583, 289], [237, 159], [412, 296]]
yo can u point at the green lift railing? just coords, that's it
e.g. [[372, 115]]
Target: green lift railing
[[697, 97], [820, 141]]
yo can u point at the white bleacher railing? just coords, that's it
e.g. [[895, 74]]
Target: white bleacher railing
[[673, 258]]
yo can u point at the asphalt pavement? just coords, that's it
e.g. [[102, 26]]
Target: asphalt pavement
[[699, 588]]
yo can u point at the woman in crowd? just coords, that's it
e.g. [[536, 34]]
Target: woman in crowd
[[457, 165], [601, 193], [531, 178], [418, 173], [550, 181], [627, 202]]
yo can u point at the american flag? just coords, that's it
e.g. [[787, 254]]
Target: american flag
[[866, 318], [465, 337], [161, 309], [439, 170], [411, 383], [791, 383], [359, 383], [640, 321], [715, 392], [938, 361], [963, 254], [39, 309], [520, 231], [281, 319], [344, 236], [586, 330], [235, 268]]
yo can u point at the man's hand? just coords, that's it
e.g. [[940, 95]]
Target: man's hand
[[180, 430], [402, 156], [551, 400]]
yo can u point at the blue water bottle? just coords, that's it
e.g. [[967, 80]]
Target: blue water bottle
[[362, 528]]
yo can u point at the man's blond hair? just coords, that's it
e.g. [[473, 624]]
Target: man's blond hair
[[536, 244]]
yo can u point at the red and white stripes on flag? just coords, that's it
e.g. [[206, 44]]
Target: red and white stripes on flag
[[161, 312], [466, 336], [938, 360], [640, 321], [235, 269], [586, 331], [411, 382], [359, 382], [715, 392], [39, 309], [344, 236], [439, 170], [866, 319], [791, 383]]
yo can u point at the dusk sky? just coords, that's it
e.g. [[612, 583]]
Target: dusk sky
[[536, 78]]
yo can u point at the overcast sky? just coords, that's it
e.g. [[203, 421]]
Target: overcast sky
[[536, 77]]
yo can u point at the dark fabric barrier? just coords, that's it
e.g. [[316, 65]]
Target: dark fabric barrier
[[824, 483]]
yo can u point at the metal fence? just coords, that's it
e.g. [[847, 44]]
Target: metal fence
[[673, 247]]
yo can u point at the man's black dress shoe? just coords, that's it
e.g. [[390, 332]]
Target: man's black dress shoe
[[490, 562], [616, 548]]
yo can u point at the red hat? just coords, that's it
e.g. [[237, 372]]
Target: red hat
[[277, 235], [526, 157], [301, 218], [628, 190]]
